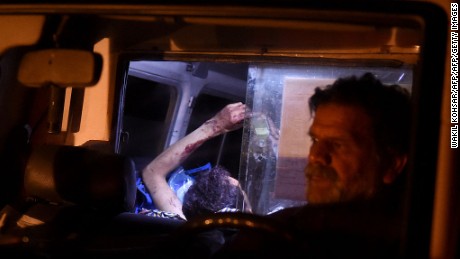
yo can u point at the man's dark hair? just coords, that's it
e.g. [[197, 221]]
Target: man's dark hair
[[387, 105], [211, 192]]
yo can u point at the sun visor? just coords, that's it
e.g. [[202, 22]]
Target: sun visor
[[20, 30]]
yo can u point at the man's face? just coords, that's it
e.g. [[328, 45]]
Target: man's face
[[342, 164]]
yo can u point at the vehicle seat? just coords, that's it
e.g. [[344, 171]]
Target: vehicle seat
[[68, 192], [68, 175]]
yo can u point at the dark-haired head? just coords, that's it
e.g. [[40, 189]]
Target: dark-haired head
[[213, 190], [387, 105], [360, 136]]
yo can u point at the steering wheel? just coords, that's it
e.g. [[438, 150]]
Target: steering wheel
[[230, 235]]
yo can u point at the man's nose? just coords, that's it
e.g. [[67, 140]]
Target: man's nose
[[319, 153]]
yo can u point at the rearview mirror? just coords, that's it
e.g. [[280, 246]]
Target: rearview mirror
[[60, 67]]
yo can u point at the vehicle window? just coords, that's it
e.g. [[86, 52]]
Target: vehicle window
[[146, 118], [268, 155]]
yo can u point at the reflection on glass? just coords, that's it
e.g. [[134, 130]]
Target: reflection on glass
[[275, 138]]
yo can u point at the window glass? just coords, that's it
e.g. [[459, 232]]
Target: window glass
[[275, 139], [269, 153], [146, 118]]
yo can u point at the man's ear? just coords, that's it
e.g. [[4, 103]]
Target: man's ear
[[395, 168]]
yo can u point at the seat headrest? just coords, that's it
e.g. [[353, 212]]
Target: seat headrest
[[79, 176]]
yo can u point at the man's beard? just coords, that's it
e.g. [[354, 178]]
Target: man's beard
[[323, 184]]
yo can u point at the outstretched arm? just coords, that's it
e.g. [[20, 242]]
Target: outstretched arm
[[154, 175]]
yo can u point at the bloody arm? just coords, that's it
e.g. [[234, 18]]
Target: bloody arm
[[155, 173]]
